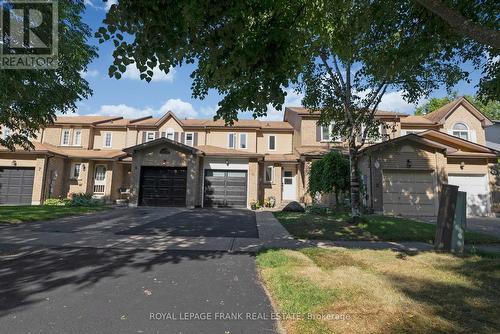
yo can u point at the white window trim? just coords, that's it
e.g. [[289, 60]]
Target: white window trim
[[229, 141], [5, 132], [170, 132], [110, 140], [147, 136], [405, 131], [73, 166], [186, 140], [240, 141], [335, 139], [272, 174], [269, 142], [468, 131], [69, 137], [75, 143]]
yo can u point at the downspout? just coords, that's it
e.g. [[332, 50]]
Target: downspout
[[44, 184], [371, 183]]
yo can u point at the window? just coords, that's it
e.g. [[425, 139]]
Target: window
[[461, 130], [189, 139], [326, 134], [231, 140], [269, 174], [243, 140], [108, 136], [5, 132], [272, 143], [408, 132], [150, 135], [170, 133], [65, 137], [76, 171], [77, 138]]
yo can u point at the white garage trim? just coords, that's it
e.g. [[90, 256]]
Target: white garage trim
[[478, 192]]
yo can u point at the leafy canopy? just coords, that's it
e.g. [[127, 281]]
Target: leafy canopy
[[490, 109], [30, 99], [330, 174]]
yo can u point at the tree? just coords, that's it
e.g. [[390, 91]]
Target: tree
[[30, 99], [343, 55], [490, 109], [329, 175]]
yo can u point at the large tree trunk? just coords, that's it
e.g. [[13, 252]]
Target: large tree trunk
[[355, 198]]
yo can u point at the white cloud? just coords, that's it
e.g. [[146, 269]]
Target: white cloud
[[394, 101], [181, 109], [133, 73], [292, 99], [109, 3], [105, 5], [90, 74]]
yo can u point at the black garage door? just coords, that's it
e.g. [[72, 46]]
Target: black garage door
[[163, 186], [225, 188], [16, 185]]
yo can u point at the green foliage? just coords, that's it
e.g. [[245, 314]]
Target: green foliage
[[434, 103], [57, 202], [316, 209], [30, 99], [490, 109], [330, 174]]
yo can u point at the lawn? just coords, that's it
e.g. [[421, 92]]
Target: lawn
[[336, 226], [367, 291], [17, 214]]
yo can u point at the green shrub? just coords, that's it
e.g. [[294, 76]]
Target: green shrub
[[57, 202], [317, 209], [84, 200]]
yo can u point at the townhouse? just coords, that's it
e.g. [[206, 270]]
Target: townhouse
[[169, 161]]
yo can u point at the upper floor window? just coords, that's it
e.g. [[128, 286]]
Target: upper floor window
[[5, 132], [65, 137], [461, 130], [77, 138], [243, 140], [272, 143], [409, 132], [189, 139], [326, 133], [231, 140], [150, 135], [108, 137], [170, 133]]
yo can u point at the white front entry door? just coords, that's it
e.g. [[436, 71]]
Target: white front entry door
[[289, 187], [477, 189], [100, 180]]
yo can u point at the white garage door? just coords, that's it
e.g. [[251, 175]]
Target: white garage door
[[409, 193], [477, 189]]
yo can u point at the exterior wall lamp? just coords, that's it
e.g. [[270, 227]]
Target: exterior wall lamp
[[462, 165], [14, 163], [227, 162], [408, 163]]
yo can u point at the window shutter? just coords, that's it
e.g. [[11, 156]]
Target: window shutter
[[473, 136], [176, 136], [318, 133], [195, 139], [143, 137], [163, 134], [157, 135], [183, 137]]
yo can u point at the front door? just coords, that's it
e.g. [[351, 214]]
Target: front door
[[289, 187], [100, 180]]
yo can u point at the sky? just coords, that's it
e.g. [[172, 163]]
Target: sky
[[131, 97]]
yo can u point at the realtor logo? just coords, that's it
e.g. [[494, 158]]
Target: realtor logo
[[29, 34]]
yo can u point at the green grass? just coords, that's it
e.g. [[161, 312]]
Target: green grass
[[18, 214], [337, 226], [381, 291]]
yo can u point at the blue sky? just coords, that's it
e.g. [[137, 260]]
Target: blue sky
[[132, 98]]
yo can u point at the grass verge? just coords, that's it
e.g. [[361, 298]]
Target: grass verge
[[337, 226], [368, 291], [18, 214]]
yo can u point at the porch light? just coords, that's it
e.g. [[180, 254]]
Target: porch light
[[164, 162], [462, 165], [83, 168], [408, 163], [14, 163], [227, 162]]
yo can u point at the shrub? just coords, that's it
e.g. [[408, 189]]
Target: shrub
[[57, 202], [84, 200], [317, 209]]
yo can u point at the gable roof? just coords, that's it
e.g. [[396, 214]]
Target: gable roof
[[440, 115], [301, 111], [159, 141], [85, 120]]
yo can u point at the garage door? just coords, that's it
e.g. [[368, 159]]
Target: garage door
[[163, 186], [16, 185], [409, 193], [225, 188], [476, 187]]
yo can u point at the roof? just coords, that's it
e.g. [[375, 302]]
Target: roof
[[40, 148], [314, 151], [305, 112], [179, 146], [281, 157], [415, 119], [210, 150], [85, 120], [439, 115]]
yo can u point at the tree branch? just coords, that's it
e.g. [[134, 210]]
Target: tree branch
[[461, 24], [378, 97]]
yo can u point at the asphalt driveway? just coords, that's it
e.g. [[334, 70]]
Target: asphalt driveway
[[86, 290], [230, 223], [486, 225]]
